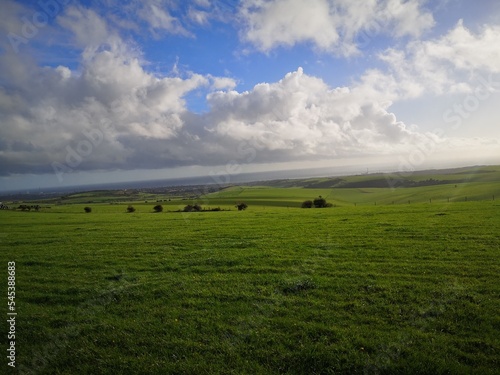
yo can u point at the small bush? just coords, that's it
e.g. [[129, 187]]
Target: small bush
[[241, 206], [307, 204], [130, 209], [320, 202], [158, 208], [88, 209], [192, 208]]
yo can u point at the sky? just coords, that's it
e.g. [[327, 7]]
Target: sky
[[103, 91]]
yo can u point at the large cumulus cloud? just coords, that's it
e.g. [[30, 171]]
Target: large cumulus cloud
[[144, 122], [301, 117]]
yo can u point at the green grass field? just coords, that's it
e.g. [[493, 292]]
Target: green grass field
[[368, 289]]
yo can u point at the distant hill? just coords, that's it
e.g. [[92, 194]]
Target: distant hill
[[351, 185], [393, 180]]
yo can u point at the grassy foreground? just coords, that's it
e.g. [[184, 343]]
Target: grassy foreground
[[367, 290]]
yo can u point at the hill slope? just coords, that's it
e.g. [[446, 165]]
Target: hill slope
[[463, 184]]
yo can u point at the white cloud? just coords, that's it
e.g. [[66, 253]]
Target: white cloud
[[198, 16], [407, 17], [162, 17], [300, 116], [462, 49], [330, 25], [159, 17], [287, 22], [88, 28], [448, 64], [154, 12], [221, 83]]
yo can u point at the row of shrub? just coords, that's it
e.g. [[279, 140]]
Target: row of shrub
[[25, 207], [319, 202], [198, 208], [157, 208], [189, 208]]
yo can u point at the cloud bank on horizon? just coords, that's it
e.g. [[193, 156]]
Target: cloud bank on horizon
[[105, 85]]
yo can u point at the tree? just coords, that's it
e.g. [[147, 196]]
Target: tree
[[88, 209], [241, 206], [307, 204], [158, 208], [320, 202], [130, 209]]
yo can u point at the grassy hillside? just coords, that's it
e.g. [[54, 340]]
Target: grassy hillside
[[403, 179], [367, 289], [462, 184], [292, 197]]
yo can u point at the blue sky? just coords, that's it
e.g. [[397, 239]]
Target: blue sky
[[106, 90]]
